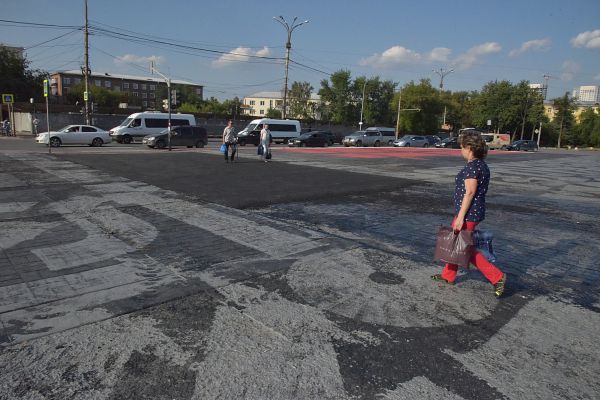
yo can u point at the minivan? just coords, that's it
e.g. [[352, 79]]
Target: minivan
[[389, 134], [189, 136], [138, 125], [282, 130]]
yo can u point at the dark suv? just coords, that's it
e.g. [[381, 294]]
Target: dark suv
[[189, 136], [523, 145]]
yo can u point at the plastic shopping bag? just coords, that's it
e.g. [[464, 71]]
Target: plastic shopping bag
[[482, 240], [453, 248], [223, 148]]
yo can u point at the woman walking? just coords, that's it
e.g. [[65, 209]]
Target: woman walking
[[265, 143], [469, 207]]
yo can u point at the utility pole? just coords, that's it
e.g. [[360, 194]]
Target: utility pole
[[442, 73], [402, 109], [362, 107], [288, 45], [86, 72], [168, 81]]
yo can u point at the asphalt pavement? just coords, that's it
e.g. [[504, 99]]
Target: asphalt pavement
[[131, 273]]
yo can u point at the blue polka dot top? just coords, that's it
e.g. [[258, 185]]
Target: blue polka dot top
[[475, 169]]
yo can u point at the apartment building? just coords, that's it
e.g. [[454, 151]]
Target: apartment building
[[140, 87], [258, 104], [587, 94]]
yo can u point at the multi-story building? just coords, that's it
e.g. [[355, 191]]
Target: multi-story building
[[140, 87], [543, 89], [258, 104], [587, 94], [552, 112]]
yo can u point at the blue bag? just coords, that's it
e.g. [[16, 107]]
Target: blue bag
[[223, 148], [482, 240]]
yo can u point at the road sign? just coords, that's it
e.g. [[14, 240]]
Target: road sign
[[45, 87], [8, 98]]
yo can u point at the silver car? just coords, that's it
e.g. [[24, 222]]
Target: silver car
[[365, 138], [411, 141]]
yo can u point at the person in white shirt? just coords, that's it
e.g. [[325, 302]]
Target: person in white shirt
[[265, 142], [230, 140]]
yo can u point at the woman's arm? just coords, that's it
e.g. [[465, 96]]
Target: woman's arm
[[470, 190]]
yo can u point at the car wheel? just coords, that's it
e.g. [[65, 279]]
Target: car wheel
[[503, 147], [150, 146], [126, 139], [426, 145], [55, 142], [199, 145], [326, 144], [391, 143], [359, 144], [97, 142], [242, 142], [377, 144], [407, 145], [301, 144], [161, 144]]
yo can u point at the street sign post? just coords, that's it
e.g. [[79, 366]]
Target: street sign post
[[8, 98], [47, 114]]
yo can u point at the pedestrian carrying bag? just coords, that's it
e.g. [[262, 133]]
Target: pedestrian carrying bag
[[453, 248], [223, 148]]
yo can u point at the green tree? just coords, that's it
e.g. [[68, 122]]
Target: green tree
[[299, 97], [189, 108], [17, 78], [379, 96], [585, 128], [459, 108], [496, 102], [338, 98], [564, 117], [273, 113], [424, 97], [99, 95]]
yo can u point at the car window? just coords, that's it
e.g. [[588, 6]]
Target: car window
[[418, 138], [88, 129], [136, 122]]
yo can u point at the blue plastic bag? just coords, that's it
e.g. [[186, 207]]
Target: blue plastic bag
[[223, 148], [482, 240]]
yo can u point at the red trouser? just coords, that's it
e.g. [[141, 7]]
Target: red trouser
[[489, 270]]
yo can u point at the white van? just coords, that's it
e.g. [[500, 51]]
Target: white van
[[138, 125], [282, 130], [496, 140]]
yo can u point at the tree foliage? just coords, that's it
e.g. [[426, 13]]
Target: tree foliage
[[420, 96], [18, 79], [298, 102]]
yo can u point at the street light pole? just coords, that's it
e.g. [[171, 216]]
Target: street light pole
[[442, 73], [288, 45], [168, 80], [362, 107]]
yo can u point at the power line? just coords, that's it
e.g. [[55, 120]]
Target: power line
[[50, 40], [38, 25]]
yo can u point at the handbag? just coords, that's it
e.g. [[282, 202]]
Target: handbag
[[223, 148], [268, 155], [260, 150], [453, 248]]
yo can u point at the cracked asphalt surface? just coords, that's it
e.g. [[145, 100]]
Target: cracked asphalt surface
[[127, 273]]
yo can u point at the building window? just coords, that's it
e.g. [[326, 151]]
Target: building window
[[135, 86], [152, 95], [66, 90], [262, 103], [262, 112], [125, 85], [152, 87], [144, 95], [77, 80], [143, 86], [66, 81], [117, 88], [107, 83], [252, 102], [135, 94], [199, 91], [145, 103], [98, 82], [270, 103]]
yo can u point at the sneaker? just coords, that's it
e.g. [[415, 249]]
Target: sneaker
[[499, 286], [438, 277]]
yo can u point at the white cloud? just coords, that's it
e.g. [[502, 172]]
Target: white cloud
[[398, 55], [472, 56], [135, 59], [569, 69], [588, 39], [532, 45], [240, 54]]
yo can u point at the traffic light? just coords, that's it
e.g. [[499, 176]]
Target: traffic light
[[166, 104]]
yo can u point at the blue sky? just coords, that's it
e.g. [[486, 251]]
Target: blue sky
[[399, 40]]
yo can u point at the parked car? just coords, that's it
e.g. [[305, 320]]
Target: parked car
[[189, 136], [526, 145], [138, 125], [75, 134], [388, 134], [432, 140], [333, 137], [411, 141], [365, 138], [282, 130], [449, 143], [310, 139]]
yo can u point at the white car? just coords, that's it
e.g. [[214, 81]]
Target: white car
[[75, 134]]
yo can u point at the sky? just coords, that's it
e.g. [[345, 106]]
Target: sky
[[237, 48]]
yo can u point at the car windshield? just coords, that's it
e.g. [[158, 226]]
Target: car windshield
[[250, 127], [304, 136], [406, 137], [519, 142], [357, 133], [126, 122], [447, 140]]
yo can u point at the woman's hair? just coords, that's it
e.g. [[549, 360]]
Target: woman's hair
[[475, 142]]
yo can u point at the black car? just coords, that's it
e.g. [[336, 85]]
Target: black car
[[333, 137], [449, 143], [310, 139], [432, 140], [526, 145], [189, 136]]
